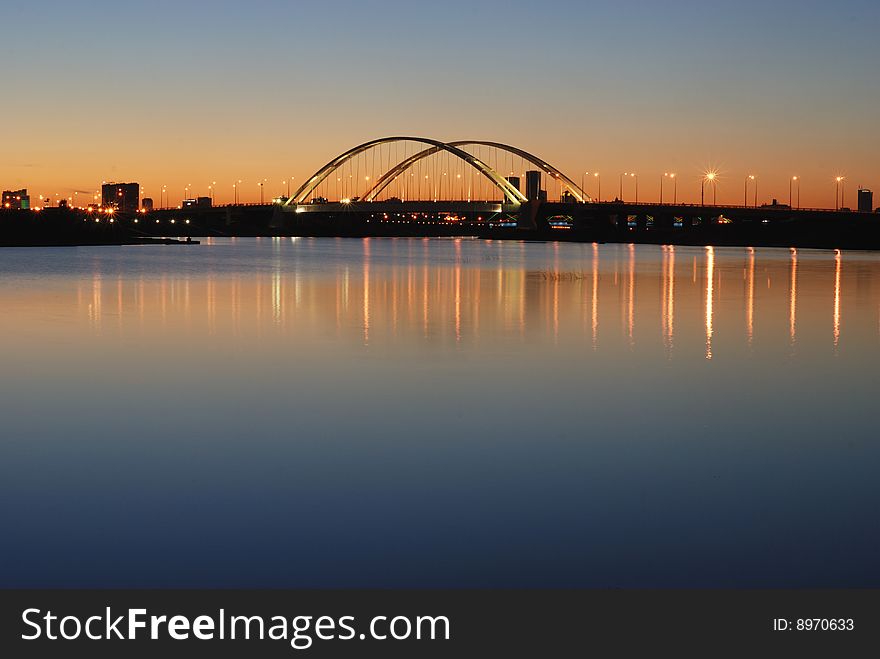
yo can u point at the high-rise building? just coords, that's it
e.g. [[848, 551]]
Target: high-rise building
[[533, 185], [124, 197], [514, 181], [16, 199], [866, 201]]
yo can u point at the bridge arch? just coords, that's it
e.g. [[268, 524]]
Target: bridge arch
[[512, 194], [405, 164]]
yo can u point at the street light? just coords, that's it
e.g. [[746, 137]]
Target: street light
[[792, 180], [838, 199], [750, 177], [670, 176], [598, 185], [710, 177], [620, 195]]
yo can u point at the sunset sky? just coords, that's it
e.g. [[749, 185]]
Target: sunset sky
[[171, 93]]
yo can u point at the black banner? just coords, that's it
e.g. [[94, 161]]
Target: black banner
[[341, 623]]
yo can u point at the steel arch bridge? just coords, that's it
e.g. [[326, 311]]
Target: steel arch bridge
[[456, 149]]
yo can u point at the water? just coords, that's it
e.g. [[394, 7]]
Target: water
[[339, 412]]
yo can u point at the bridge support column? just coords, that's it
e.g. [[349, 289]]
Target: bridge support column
[[527, 216]]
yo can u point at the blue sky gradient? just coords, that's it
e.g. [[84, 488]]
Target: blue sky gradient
[[173, 92]]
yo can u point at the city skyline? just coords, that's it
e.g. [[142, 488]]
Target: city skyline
[[190, 97]]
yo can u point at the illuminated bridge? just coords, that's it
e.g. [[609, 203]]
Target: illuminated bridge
[[416, 186], [395, 179]]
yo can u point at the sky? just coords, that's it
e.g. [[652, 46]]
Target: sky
[[176, 93]]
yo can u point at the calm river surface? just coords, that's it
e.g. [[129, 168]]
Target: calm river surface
[[407, 412]]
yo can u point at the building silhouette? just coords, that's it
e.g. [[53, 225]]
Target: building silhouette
[[18, 199], [124, 197], [533, 185], [866, 201]]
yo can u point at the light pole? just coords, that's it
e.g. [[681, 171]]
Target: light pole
[[261, 191], [797, 179], [838, 197], [710, 177], [669, 176], [636, 177], [750, 177], [598, 184], [674, 188], [620, 191], [790, 183]]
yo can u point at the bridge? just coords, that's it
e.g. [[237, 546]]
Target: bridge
[[404, 179], [418, 186]]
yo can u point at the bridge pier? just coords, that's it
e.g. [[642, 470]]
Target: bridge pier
[[527, 217]]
